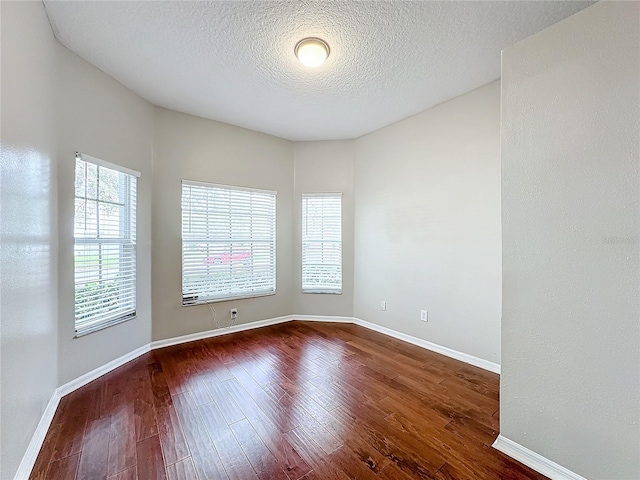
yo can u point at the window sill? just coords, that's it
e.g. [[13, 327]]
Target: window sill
[[103, 325], [226, 299], [323, 292]]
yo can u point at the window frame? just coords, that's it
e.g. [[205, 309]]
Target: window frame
[[321, 291], [273, 242], [129, 239]]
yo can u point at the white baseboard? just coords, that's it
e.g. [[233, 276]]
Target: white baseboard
[[434, 347], [533, 460], [100, 371], [220, 331], [33, 449], [319, 318]]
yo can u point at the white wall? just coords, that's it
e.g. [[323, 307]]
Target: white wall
[[28, 228], [98, 116], [427, 215], [570, 384], [324, 167], [193, 148]]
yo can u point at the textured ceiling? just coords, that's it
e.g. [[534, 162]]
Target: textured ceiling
[[234, 61]]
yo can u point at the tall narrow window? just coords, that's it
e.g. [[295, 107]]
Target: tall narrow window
[[228, 242], [105, 244], [322, 243]]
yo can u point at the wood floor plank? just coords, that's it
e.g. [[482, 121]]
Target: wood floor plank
[[290, 460], [203, 454], [298, 400], [342, 459], [233, 458], [225, 402], [343, 426], [95, 450], [150, 463], [314, 456], [182, 470], [122, 437], [172, 439], [392, 472], [309, 424], [409, 452], [175, 376], [199, 391], [262, 460], [145, 419], [65, 468], [174, 445], [47, 450], [159, 387], [128, 474], [71, 434]]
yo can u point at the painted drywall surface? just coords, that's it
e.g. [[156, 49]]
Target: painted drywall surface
[[28, 228], [427, 215], [98, 116], [570, 384], [192, 148], [235, 61], [324, 167]]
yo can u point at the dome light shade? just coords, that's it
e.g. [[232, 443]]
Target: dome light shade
[[312, 52]]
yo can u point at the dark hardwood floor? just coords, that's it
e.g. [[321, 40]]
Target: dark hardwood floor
[[298, 400]]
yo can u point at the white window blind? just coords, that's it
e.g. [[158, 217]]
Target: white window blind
[[105, 244], [228, 242], [322, 243]]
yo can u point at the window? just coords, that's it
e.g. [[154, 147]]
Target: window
[[105, 244], [228, 242], [322, 243]]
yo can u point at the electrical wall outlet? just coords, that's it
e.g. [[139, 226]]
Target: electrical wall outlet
[[424, 315], [234, 312], [383, 306]]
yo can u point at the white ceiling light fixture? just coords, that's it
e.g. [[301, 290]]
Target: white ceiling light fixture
[[312, 52]]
